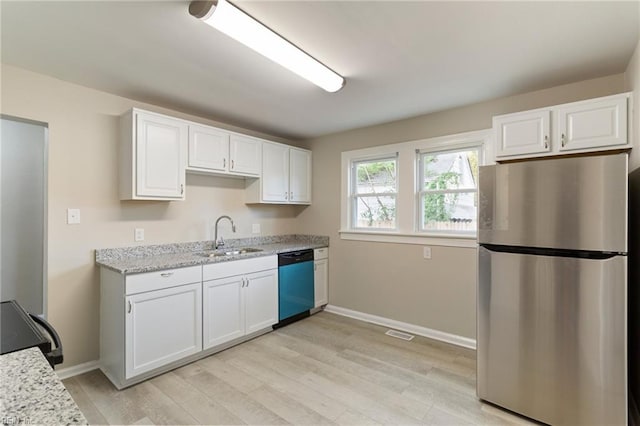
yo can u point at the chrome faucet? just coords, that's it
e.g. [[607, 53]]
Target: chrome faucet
[[217, 244]]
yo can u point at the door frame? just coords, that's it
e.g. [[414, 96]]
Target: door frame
[[45, 213]]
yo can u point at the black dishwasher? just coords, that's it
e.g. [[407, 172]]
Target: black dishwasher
[[295, 285]]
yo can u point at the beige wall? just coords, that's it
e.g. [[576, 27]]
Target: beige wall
[[83, 137], [393, 280], [390, 280], [632, 83]]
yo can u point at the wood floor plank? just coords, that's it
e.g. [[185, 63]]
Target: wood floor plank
[[325, 369], [329, 356], [159, 407], [90, 411], [351, 417], [240, 404], [202, 407], [231, 375], [117, 407], [375, 409], [262, 369], [288, 408], [367, 382]]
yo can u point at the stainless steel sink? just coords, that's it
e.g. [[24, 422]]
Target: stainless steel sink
[[229, 252]]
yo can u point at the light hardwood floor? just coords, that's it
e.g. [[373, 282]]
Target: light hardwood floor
[[325, 369]]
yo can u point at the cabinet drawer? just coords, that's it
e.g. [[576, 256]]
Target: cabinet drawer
[[320, 253], [139, 283], [238, 267]]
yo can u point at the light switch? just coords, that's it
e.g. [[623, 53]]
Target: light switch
[[138, 234], [73, 216], [255, 228], [426, 252]]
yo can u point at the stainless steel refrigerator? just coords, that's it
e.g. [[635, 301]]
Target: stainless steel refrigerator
[[552, 297]]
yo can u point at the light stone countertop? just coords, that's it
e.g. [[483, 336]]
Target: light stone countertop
[[32, 393], [138, 259]]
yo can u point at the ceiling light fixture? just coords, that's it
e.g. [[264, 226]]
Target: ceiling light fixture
[[232, 21]]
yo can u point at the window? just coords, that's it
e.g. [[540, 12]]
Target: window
[[373, 193], [415, 192], [448, 191]]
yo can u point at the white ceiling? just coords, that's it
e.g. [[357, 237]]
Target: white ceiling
[[400, 59]]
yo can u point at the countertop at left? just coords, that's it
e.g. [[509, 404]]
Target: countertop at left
[[32, 393]]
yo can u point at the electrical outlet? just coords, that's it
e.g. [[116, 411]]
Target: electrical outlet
[[73, 216], [426, 252], [138, 234], [255, 228]]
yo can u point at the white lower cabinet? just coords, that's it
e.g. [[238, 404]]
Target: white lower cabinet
[[162, 326], [235, 304], [261, 300], [148, 321], [153, 322], [321, 277], [223, 310]]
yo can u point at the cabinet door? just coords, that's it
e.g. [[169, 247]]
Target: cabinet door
[[161, 150], [223, 310], [522, 133], [246, 155], [299, 176], [261, 300], [275, 172], [208, 148], [594, 124], [321, 282], [162, 326]]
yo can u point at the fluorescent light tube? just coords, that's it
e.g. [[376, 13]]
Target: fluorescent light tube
[[232, 21]]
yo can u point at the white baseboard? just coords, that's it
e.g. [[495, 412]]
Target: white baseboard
[[75, 370], [454, 339]]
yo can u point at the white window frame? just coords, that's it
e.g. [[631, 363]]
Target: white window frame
[[420, 192], [406, 231], [354, 195]]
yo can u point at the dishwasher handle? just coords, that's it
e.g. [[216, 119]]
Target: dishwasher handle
[[295, 257]]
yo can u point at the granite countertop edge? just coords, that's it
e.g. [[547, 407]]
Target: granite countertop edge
[[141, 259], [33, 392]]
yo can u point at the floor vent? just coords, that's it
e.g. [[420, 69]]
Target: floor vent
[[399, 335]]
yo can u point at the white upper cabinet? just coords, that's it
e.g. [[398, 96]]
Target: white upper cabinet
[[217, 151], [286, 176], [246, 155], [275, 172], [594, 124], [522, 133], [586, 126], [299, 175], [208, 148], [157, 151], [153, 153]]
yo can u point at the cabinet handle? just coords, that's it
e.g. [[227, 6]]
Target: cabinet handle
[[129, 307], [233, 164], [562, 138], [546, 142], [224, 162], [286, 195], [166, 274], [181, 189]]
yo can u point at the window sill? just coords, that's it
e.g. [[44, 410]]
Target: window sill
[[418, 239]]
